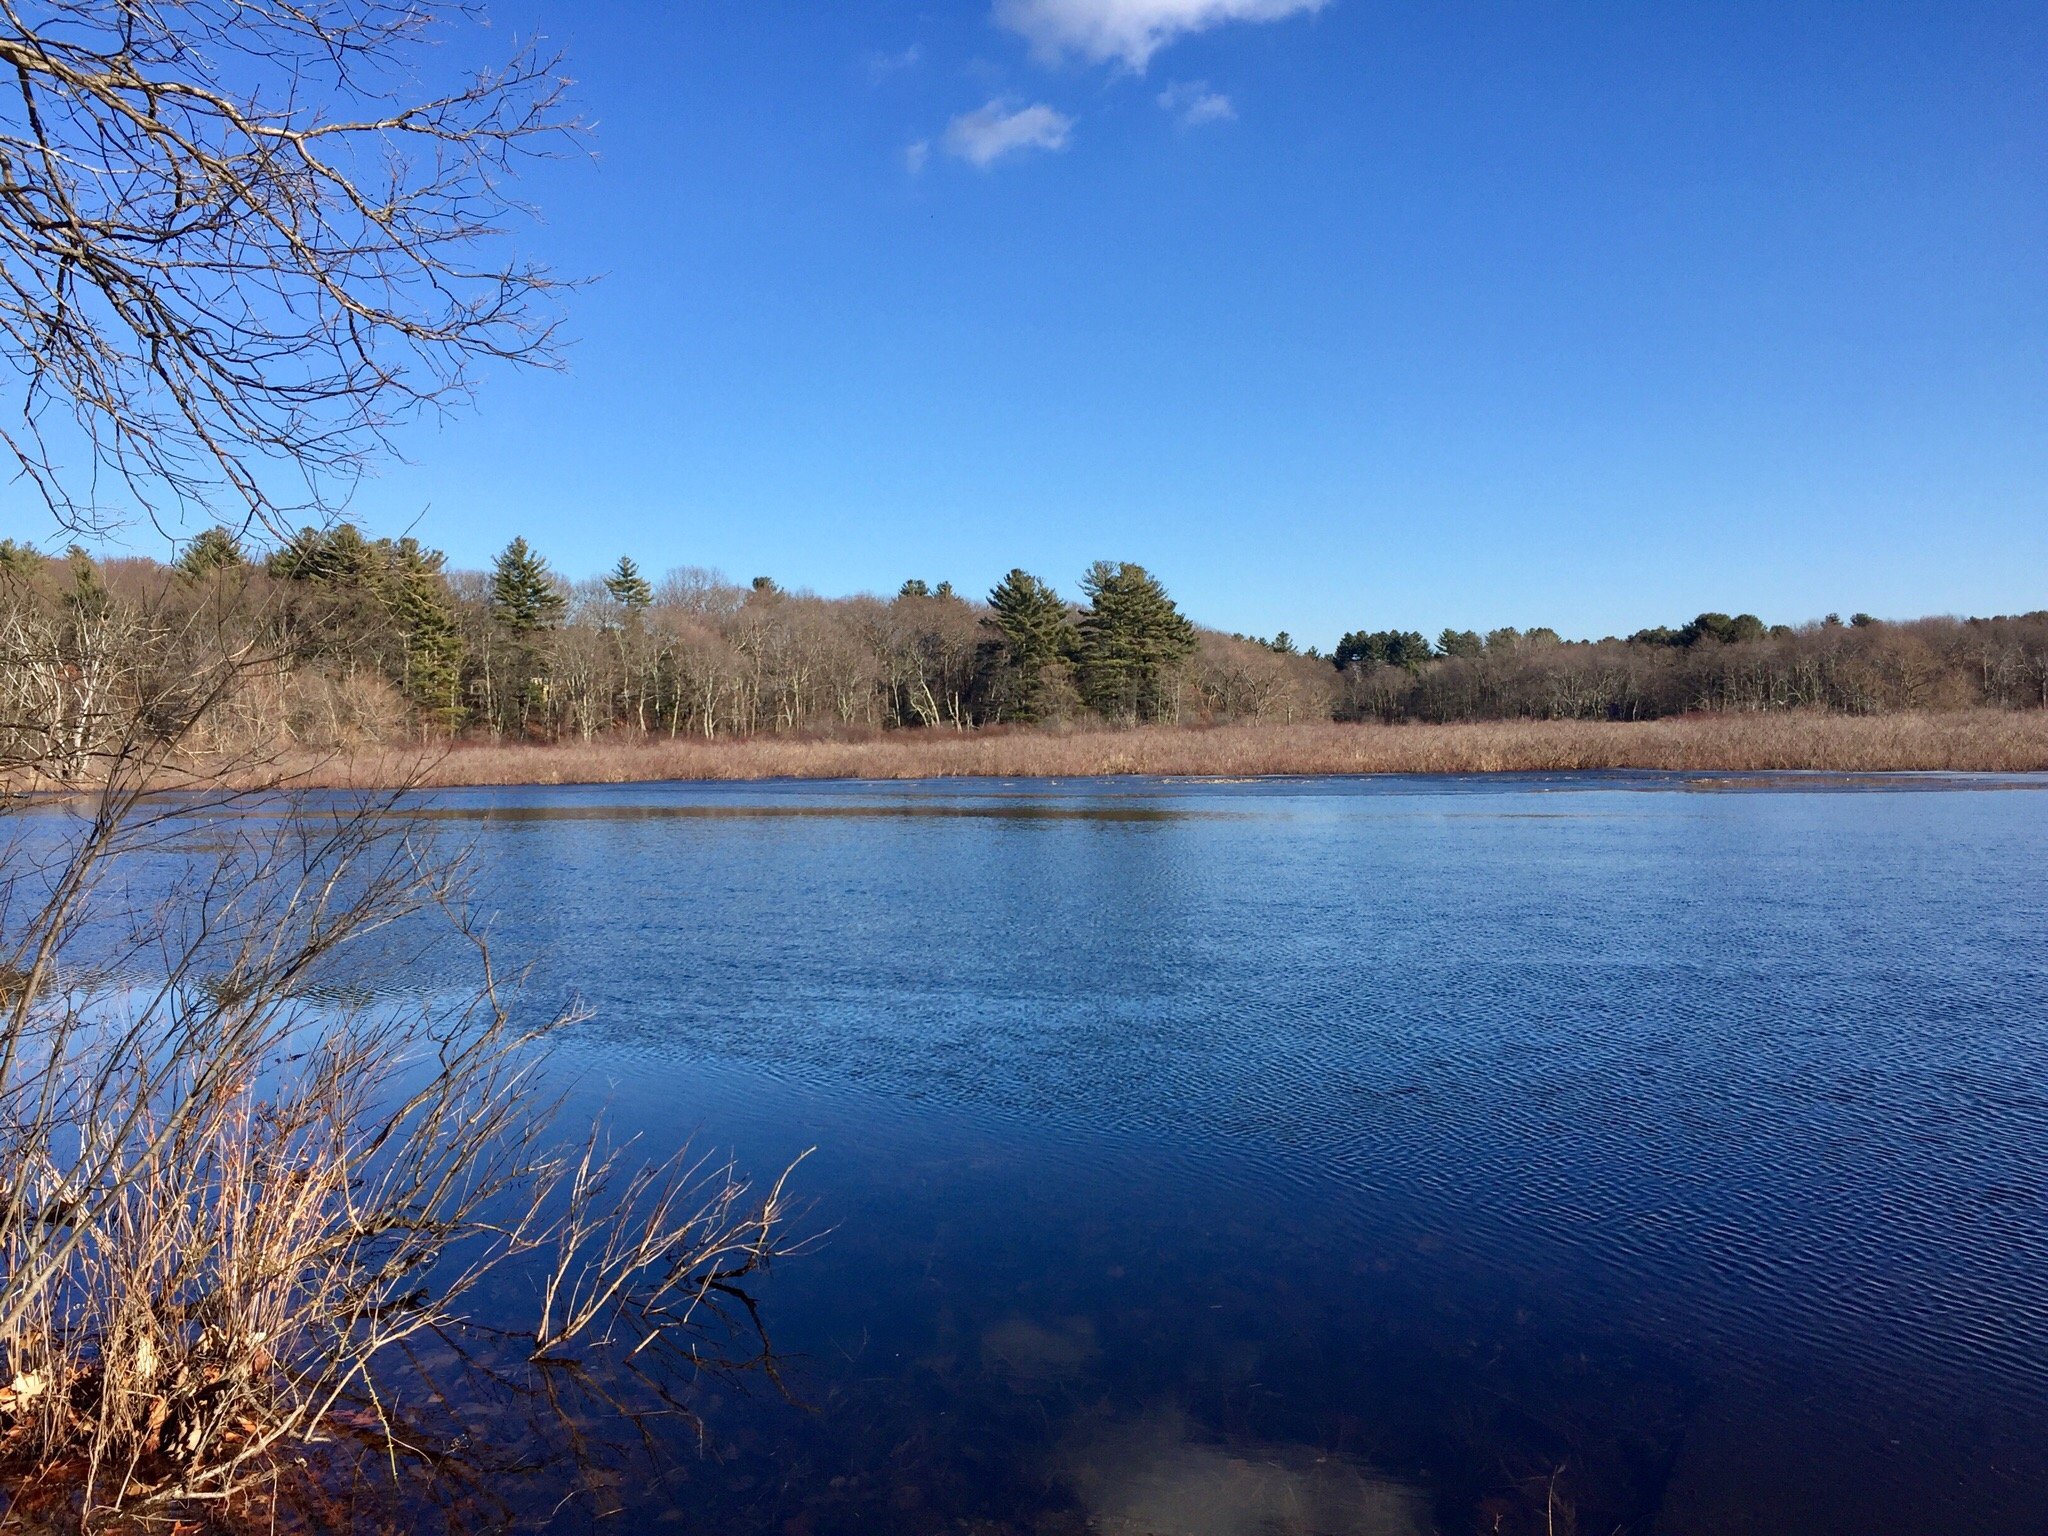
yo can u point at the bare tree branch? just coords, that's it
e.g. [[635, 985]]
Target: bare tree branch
[[240, 241]]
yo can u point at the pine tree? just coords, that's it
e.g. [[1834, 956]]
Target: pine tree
[[20, 561], [1032, 618], [88, 599], [628, 588], [1384, 647], [380, 599], [1133, 640], [1036, 643], [523, 595], [1464, 643], [419, 604], [211, 550], [524, 602], [915, 587], [339, 555], [299, 557]]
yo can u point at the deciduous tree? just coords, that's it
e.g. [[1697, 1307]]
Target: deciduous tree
[[238, 242]]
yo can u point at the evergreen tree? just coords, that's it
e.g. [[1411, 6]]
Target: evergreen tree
[[21, 561], [1461, 642], [628, 588], [88, 599], [381, 600], [1390, 647], [524, 602], [424, 615], [211, 550], [523, 595], [339, 556], [1133, 640], [299, 557], [914, 588], [1033, 620], [1037, 641], [637, 660]]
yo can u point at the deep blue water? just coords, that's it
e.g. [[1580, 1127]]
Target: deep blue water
[[1342, 1155], [1338, 1155]]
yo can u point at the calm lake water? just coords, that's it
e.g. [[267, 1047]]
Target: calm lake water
[[1663, 1153]]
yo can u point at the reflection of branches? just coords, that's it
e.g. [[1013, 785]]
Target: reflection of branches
[[235, 236], [496, 1434]]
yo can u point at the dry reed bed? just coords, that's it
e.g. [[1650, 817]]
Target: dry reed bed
[[1973, 741]]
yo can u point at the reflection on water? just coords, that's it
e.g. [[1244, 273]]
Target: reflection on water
[[1509, 1155], [1156, 1475], [768, 810]]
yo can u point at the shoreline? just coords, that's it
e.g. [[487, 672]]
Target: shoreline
[[1976, 741]]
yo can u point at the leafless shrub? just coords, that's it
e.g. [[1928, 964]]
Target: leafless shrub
[[232, 1187], [238, 241], [645, 1246]]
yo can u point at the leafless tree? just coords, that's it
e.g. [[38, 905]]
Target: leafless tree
[[239, 240]]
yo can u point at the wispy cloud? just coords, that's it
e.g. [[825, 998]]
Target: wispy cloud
[[915, 155], [882, 65], [1129, 31], [1195, 104], [985, 135]]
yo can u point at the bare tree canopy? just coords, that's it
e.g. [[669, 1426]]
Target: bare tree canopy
[[241, 239]]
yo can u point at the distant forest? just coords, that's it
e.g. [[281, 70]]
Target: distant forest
[[348, 639]]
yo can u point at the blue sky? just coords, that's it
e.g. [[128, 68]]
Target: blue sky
[[1334, 315]]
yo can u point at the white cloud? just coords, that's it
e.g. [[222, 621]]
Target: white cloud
[[1129, 30], [882, 65], [1195, 104], [985, 135], [915, 155]]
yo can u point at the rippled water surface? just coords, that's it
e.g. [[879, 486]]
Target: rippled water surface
[[1660, 1154]]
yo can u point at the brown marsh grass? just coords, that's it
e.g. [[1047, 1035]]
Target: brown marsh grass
[[1961, 741]]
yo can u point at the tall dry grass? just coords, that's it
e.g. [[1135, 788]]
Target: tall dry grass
[[1964, 741]]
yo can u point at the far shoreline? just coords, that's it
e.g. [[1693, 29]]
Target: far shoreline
[[1973, 741]]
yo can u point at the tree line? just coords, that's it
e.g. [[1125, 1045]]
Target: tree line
[[1714, 662], [364, 638]]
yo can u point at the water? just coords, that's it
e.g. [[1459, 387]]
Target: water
[[1627, 1152]]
